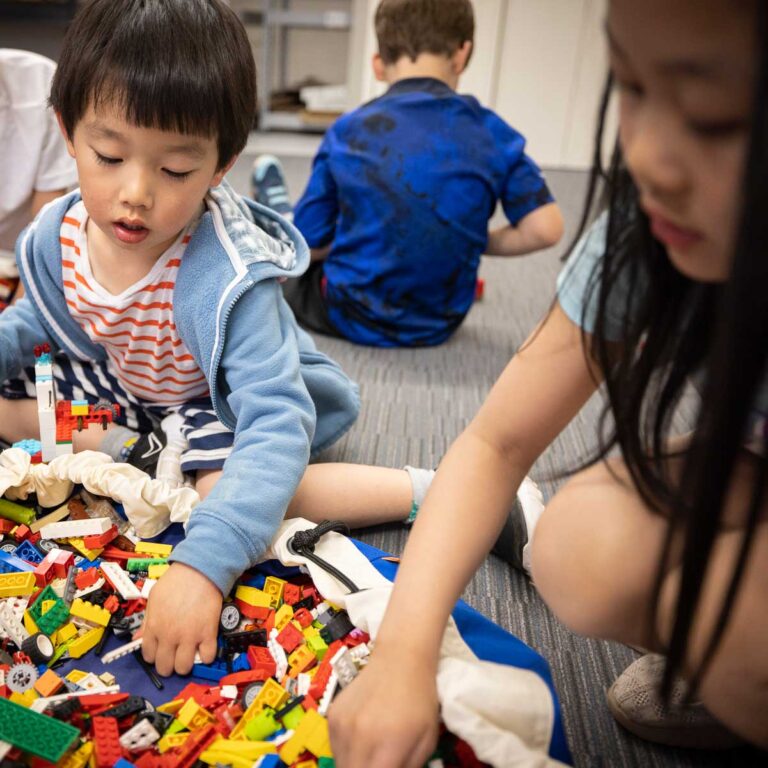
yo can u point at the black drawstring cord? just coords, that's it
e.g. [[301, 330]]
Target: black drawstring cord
[[303, 543]]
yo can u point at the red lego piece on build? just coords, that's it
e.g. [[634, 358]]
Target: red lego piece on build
[[245, 677], [22, 532], [86, 578]]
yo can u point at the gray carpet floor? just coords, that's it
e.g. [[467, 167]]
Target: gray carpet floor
[[415, 402]]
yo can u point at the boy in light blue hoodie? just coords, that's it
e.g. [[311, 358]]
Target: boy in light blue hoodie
[[160, 287]]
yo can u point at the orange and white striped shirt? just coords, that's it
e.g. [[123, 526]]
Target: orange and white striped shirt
[[136, 327]]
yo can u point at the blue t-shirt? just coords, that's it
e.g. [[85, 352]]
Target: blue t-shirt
[[402, 189]]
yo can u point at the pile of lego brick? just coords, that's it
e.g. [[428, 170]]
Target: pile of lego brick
[[73, 578]]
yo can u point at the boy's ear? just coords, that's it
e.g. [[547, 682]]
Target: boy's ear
[[219, 175], [379, 68], [461, 57], [70, 146]]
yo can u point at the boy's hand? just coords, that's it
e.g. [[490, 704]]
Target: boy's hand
[[387, 717], [182, 619]]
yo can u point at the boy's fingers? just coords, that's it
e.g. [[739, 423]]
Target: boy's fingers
[[207, 650], [165, 657], [185, 658], [149, 646]]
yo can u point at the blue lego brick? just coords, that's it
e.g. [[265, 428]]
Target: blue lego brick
[[240, 664], [270, 761], [12, 564], [123, 763], [29, 552], [256, 580], [214, 671]]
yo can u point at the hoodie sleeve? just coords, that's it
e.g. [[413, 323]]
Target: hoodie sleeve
[[260, 377], [21, 330]]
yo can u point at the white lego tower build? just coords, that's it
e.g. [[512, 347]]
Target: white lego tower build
[[46, 404]]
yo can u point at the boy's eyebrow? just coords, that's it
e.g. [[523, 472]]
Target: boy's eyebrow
[[192, 149], [700, 69]]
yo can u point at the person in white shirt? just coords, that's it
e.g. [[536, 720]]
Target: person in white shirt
[[34, 163]]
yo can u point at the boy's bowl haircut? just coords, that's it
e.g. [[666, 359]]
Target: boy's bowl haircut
[[176, 65]]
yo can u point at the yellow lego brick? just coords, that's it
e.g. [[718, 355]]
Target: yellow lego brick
[[76, 409], [67, 632], [306, 764], [272, 695], [282, 616], [193, 716], [29, 623], [156, 571], [301, 659], [17, 584], [89, 612], [79, 545], [310, 631], [172, 740], [212, 757], [25, 699], [274, 588], [245, 750], [151, 548], [171, 707], [81, 645], [77, 759], [47, 605], [253, 596], [311, 734], [75, 676]]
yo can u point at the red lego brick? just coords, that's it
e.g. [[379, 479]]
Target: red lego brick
[[87, 578], [63, 562], [113, 553], [6, 526], [106, 738], [304, 617], [260, 658], [290, 637], [196, 743], [45, 571], [112, 603], [99, 541], [291, 593], [194, 691], [246, 676], [22, 533], [253, 611], [96, 700]]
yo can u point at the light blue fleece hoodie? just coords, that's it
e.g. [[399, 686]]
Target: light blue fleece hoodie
[[269, 384]]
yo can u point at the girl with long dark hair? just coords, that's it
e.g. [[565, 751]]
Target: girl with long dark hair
[[664, 546]]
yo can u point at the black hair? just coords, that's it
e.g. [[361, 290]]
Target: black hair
[[177, 65], [676, 328]]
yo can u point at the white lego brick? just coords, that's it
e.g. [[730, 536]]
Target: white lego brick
[[93, 588], [122, 650], [40, 705], [327, 697], [303, 683], [140, 736], [12, 626], [146, 587], [278, 654], [228, 692], [91, 684], [76, 528], [343, 665], [120, 580]]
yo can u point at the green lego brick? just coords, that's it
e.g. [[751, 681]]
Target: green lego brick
[[34, 733], [326, 762], [54, 617], [11, 511], [142, 563]]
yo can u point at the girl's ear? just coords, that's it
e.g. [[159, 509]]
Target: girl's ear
[[219, 175], [70, 145], [379, 68]]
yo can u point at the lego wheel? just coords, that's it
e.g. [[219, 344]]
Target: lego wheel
[[21, 677], [39, 648], [249, 694], [230, 617], [105, 405], [9, 547]]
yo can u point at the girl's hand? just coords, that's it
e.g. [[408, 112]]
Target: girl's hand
[[182, 619], [388, 717]]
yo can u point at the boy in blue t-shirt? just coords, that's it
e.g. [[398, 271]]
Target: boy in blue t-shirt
[[397, 206]]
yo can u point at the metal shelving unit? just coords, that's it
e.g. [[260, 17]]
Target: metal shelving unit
[[277, 18]]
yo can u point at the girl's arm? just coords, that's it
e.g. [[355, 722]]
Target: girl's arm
[[388, 716]]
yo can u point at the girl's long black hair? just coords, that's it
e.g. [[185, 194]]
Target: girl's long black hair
[[675, 328]]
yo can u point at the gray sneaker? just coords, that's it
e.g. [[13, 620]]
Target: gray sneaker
[[635, 702]]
